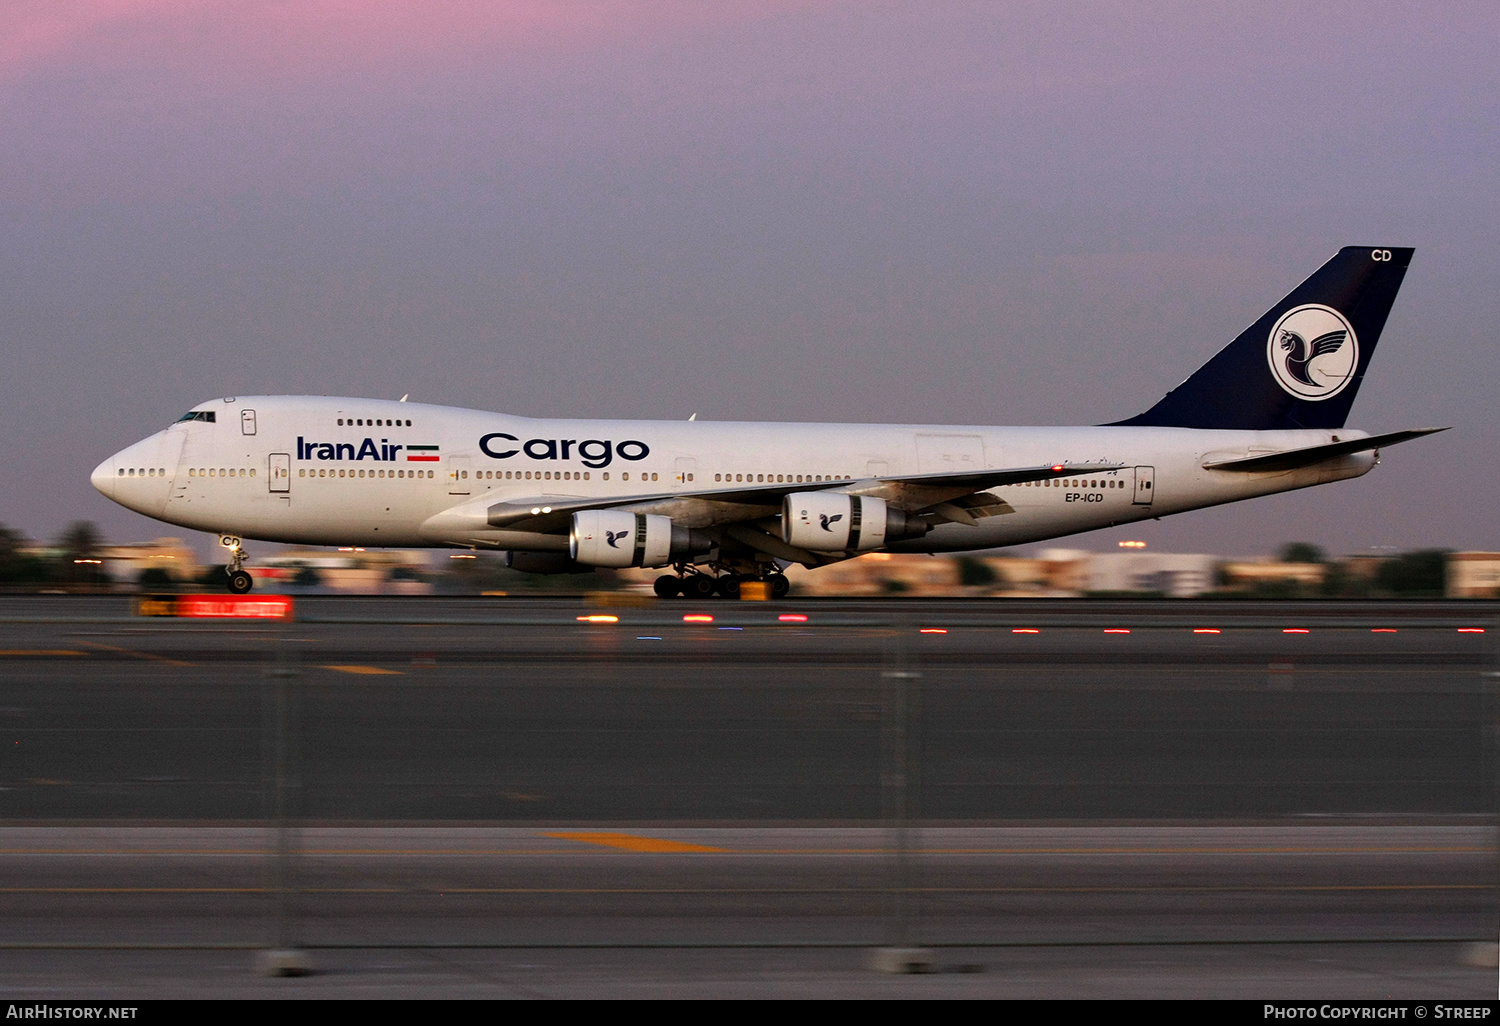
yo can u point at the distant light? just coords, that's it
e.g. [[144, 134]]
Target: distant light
[[463, 555], [343, 549], [1024, 630], [1117, 630], [598, 618], [697, 618], [792, 618], [263, 607], [1057, 468], [1131, 544], [88, 560], [933, 630], [1205, 630], [647, 637], [1295, 630], [731, 628], [1382, 630], [536, 509], [546, 509], [1471, 630]]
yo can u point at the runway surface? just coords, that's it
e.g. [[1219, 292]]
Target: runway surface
[[1325, 911], [473, 710], [1114, 798]]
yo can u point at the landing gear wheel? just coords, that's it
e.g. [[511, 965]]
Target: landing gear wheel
[[240, 582], [698, 586], [728, 586], [667, 586], [780, 586]]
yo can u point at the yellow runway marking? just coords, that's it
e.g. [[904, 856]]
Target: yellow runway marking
[[138, 655], [39, 652], [368, 670], [632, 842]]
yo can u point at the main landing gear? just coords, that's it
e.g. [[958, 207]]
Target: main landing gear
[[693, 584], [240, 580]]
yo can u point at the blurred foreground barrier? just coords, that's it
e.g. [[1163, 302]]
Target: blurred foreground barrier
[[237, 607]]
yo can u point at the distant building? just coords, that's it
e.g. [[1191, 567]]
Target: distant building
[[1248, 573], [125, 563], [1473, 575], [350, 571], [879, 573], [1174, 574]]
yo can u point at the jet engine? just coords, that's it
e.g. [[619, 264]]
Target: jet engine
[[616, 538], [835, 522]]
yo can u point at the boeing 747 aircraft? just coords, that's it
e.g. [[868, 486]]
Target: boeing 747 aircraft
[[721, 503]]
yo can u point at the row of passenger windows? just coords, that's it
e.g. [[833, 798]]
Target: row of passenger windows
[[366, 422], [547, 475], [143, 472], [540, 475], [777, 478], [220, 472], [364, 473], [1078, 483]]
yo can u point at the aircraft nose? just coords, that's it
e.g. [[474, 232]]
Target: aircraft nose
[[103, 478]]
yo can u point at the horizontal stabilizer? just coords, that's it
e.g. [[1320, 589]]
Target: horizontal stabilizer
[[1294, 458]]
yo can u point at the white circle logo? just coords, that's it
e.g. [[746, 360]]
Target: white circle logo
[[1313, 352]]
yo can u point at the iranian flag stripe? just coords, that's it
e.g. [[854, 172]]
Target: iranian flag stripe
[[422, 454]]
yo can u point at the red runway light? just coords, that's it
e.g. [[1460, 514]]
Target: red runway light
[[1382, 630], [792, 618], [1205, 630], [1024, 630], [1116, 630], [598, 618], [1471, 630], [932, 630], [697, 618], [264, 607], [1295, 630]]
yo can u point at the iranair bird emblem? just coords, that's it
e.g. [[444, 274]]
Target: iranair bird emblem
[[1313, 352], [1300, 353], [614, 536], [825, 520]]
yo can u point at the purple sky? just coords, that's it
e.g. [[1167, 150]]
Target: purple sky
[[951, 213]]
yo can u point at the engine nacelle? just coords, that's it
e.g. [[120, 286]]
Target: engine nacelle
[[616, 538], [835, 522]]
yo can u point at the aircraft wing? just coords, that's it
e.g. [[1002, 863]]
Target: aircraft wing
[[741, 503], [1292, 459]]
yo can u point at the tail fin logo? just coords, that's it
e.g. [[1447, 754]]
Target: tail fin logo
[[1313, 352]]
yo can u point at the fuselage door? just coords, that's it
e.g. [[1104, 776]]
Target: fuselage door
[[280, 477], [458, 475], [1144, 482], [247, 422]]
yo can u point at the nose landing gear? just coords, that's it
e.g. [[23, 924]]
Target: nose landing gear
[[240, 581]]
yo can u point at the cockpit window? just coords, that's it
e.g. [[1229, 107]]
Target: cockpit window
[[205, 415]]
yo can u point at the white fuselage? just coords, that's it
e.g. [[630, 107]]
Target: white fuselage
[[335, 471]]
